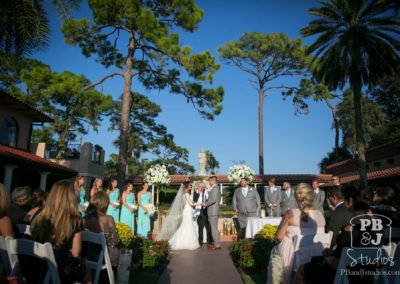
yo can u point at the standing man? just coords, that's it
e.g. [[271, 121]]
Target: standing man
[[319, 197], [288, 200], [246, 203], [201, 195], [272, 197], [212, 205]]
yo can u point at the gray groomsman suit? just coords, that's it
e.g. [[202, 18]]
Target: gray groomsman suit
[[288, 203], [248, 206], [273, 198], [319, 200], [213, 212]]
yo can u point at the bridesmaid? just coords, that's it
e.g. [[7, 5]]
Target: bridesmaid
[[113, 195], [127, 212], [144, 198], [81, 193], [97, 183]]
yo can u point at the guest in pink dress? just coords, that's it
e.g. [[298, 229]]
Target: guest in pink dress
[[298, 221]]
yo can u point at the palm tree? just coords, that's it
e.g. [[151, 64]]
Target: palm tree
[[356, 45]]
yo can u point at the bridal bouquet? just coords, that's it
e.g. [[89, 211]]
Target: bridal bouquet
[[157, 175], [134, 207], [237, 172], [150, 209]]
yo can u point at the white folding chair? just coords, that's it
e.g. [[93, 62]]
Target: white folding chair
[[350, 256], [44, 251], [5, 267], [299, 240], [24, 229], [98, 266]]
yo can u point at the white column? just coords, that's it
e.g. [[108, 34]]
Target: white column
[[255, 186], [8, 175], [43, 180], [222, 197], [152, 193]]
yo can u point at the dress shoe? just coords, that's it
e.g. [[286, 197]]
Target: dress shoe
[[213, 248]]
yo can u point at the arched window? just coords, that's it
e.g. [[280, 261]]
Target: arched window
[[9, 132]]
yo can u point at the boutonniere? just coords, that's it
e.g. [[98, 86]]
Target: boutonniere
[[250, 189], [274, 189]]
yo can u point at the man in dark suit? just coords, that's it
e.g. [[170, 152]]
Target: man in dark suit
[[201, 196], [340, 216]]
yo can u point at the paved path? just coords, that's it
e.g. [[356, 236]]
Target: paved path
[[201, 266]]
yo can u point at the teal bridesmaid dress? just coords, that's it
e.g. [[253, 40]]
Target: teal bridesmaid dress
[[81, 201], [143, 228], [127, 216], [114, 212]]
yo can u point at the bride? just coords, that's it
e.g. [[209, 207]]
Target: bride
[[185, 237]]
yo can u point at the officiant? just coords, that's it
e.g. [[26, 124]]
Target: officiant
[[200, 212], [246, 203]]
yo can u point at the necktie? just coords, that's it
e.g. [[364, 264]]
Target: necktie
[[202, 197], [315, 192], [272, 189], [244, 191], [288, 193]]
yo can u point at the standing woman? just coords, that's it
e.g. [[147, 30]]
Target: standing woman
[[80, 193], [97, 183], [144, 198], [113, 195], [127, 212]]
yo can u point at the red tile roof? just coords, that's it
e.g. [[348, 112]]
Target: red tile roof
[[375, 175], [24, 108], [9, 155], [376, 153]]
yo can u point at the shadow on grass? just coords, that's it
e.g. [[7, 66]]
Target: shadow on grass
[[139, 277]]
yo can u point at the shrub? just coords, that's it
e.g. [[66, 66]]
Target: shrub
[[149, 255], [268, 232], [125, 233]]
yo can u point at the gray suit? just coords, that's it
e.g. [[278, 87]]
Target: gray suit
[[319, 200], [273, 198], [248, 206], [212, 205], [288, 202]]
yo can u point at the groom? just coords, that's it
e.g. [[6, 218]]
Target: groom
[[212, 205]]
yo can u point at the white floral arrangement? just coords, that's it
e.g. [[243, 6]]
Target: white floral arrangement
[[134, 207], [157, 175], [150, 209], [86, 204], [116, 203], [278, 269], [237, 172]]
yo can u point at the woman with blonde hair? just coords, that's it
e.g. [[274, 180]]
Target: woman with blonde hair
[[6, 228], [127, 210], [80, 194], [303, 220], [97, 183], [60, 223]]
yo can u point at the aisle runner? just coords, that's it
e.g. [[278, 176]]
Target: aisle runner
[[201, 266]]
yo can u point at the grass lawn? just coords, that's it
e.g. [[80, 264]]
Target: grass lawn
[[138, 277], [259, 278]]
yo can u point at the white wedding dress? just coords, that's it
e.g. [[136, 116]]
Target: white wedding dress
[[185, 237]]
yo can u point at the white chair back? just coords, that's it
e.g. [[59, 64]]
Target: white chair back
[[44, 251], [98, 266], [5, 267], [24, 229], [299, 240], [353, 256]]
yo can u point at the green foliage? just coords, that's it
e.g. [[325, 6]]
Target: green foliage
[[125, 233], [60, 95], [331, 158], [212, 162], [252, 255], [149, 255], [267, 233]]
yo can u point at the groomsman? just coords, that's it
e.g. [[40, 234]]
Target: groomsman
[[201, 195], [273, 197], [246, 203], [213, 211], [319, 197], [288, 198]]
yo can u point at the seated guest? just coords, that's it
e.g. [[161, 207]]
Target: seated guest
[[303, 220], [288, 200], [37, 202], [6, 228], [319, 197], [60, 223], [386, 203], [340, 216], [97, 221], [19, 197], [323, 269]]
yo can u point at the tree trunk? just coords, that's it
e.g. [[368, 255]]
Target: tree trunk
[[260, 133], [126, 103], [361, 161]]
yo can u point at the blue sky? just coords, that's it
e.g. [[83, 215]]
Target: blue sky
[[292, 144]]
